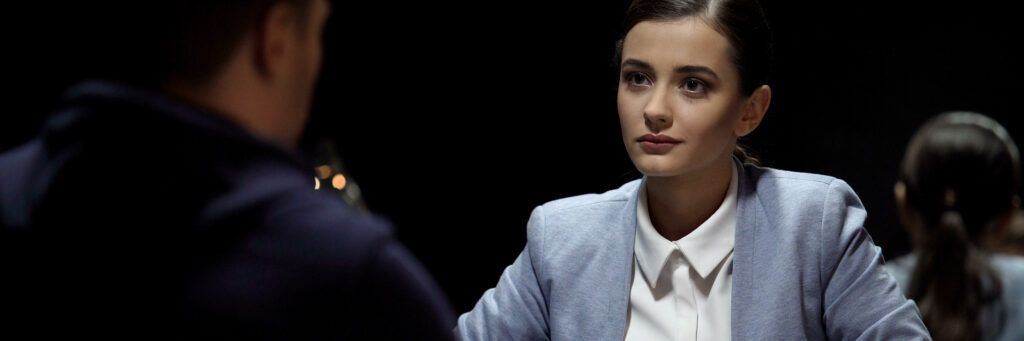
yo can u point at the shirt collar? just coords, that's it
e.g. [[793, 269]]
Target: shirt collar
[[704, 248]]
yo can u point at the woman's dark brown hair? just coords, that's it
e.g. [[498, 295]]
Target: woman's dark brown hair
[[961, 171]]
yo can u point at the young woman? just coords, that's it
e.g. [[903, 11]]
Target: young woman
[[957, 190], [705, 246]]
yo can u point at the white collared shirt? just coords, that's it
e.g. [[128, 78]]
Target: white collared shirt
[[682, 290]]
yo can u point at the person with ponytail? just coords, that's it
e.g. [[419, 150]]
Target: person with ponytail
[[957, 191]]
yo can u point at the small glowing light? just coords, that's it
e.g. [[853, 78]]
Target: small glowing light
[[324, 171], [316, 183], [339, 181]]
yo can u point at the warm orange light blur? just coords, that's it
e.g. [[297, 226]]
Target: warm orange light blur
[[324, 171], [339, 181]]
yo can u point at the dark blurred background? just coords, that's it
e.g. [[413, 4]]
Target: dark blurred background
[[456, 119]]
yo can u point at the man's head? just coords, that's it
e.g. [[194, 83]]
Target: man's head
[[255, 61]]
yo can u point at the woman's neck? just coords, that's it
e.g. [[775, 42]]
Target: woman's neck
[[679, 204]]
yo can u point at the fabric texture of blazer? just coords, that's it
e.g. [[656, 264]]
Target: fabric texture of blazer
[[804, 267]]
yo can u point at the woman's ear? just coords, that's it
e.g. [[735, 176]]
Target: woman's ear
[[900, 192], [753, 111], [905, 213]]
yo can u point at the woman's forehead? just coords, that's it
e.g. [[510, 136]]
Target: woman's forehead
[[670, 44]]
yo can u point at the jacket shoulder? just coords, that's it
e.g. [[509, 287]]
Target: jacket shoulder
[[574, 203], [583, 220], [787, 193]]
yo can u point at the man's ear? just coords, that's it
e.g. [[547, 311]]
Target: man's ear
[[753, 110], [273, 39]]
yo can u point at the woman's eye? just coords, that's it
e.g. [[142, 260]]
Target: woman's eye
[[693, 85], [637, 79]]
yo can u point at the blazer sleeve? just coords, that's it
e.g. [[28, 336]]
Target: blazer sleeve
[[861, 299], [516, 309]]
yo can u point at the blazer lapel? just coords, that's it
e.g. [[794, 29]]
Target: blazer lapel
[[750, 216], [622, 267]]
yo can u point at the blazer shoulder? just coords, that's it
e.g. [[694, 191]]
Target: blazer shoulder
[[581, 218], [576, 204], [1011, 269], [797, 203], [762, 174], [798, 187]]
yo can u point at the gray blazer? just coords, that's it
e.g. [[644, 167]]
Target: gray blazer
[[803, 268]]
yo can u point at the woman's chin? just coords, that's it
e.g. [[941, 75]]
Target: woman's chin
[[657, 168]]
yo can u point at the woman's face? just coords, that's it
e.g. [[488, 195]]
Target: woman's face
[[679, 101]]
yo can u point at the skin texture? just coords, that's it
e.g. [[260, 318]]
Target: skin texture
[[678, 80], [267, 84]]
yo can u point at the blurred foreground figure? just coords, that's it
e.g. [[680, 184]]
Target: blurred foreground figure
[[172, 202]]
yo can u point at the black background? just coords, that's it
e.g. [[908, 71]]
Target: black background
[[456, 119]]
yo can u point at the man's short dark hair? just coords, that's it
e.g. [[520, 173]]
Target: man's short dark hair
[[151, 42]]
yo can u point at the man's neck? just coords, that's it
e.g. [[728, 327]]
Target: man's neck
[[240, 104]]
